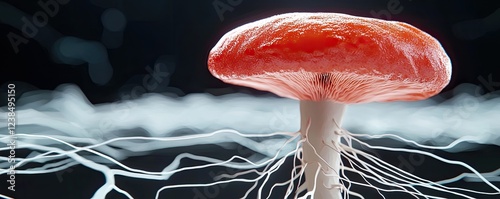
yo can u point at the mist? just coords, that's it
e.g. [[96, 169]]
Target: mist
[[467, 116]]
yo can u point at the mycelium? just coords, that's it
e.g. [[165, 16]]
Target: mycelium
[[329, 60], [324, 60]]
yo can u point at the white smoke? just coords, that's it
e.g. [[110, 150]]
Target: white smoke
[[67, 112]]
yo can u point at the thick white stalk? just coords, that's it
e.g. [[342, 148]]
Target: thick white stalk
[[318, 123]]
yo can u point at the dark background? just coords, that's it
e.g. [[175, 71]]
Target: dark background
[[186, 31], [183, 32]]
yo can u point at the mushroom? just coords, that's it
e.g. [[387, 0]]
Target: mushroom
[[329, 60]]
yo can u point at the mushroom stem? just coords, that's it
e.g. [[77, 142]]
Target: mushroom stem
[[319, 124]]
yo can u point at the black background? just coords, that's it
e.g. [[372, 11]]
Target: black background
[[185, 31]]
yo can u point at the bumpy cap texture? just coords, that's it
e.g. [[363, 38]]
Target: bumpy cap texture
[[331, 56]]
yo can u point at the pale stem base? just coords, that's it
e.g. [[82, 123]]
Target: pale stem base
[[319, 120]]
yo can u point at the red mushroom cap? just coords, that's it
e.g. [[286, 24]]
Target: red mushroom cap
[[330, 56]]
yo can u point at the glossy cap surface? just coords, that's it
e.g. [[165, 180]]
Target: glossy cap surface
[[330, 56]]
